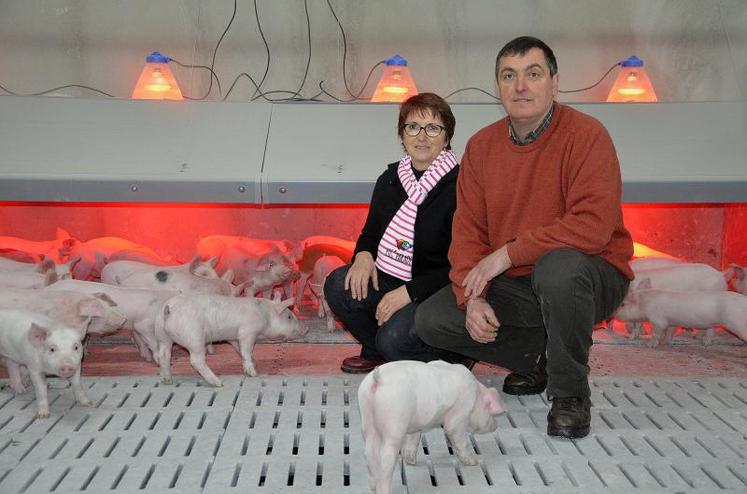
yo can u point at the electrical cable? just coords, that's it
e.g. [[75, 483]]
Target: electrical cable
[[308, 61], [354, 98], [258, 93], [593, 85], [215, 52], [344, 55], [472, 89], [187, 66], [244, 74], [267, 49], [56, 89]]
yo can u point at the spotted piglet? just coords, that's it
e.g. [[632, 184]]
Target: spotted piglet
[[400, 400]]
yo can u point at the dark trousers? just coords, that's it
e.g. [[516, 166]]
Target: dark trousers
[[553, 310], [393, 340]]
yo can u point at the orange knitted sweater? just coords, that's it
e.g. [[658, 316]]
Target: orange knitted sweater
[[563, 190]]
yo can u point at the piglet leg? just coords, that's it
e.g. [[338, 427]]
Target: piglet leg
[[458, 439], [80, 395], [14, 376], [164, 360], [247, 338], [410, 451], [40, 387], [142, 347], [197, 359], [388, 453]]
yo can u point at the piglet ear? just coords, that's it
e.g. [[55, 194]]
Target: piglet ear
[[73, 261], [228, 275], [645, 284], [739, 271], [213, 261], [47, 264], [241, 289], [277, 295], [38, 335], [281, 306], [90, 308], [50, 277], [491, 401], [196, 261], [106, 298]]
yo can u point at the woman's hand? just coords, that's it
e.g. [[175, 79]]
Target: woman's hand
[[391, 303], [481, 323], [360, 273], [485, 270]]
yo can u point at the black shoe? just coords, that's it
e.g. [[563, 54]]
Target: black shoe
[[528, 383], [569, 417]]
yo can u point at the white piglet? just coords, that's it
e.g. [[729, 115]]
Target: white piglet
[[322, 267], [400, 400], [195, 320], [667, 309], [90, 314], [139, 306], [43, 346]]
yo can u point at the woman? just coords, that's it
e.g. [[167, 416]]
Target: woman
[[400, 258]]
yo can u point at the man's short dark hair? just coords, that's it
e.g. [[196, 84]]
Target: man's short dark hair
[[521, 45]]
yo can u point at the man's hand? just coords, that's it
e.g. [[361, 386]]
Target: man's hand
[[481, 323], [360, 273], [487, 269], [391, 303]]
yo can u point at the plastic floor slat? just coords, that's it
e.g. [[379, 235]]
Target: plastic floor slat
[[302, 435]]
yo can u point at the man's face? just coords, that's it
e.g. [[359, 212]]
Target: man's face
[[526, 87]]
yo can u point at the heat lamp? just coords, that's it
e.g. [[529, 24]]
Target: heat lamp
[[396, 83], [632, 84], [156, 80]]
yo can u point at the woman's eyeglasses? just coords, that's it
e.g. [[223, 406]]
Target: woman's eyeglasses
[[431, 130]]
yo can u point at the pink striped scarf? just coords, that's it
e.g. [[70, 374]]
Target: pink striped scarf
[[397, 245]]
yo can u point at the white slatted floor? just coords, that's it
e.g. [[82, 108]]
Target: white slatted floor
[[302, 435]]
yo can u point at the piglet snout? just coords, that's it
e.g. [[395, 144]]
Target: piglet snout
[[67, 369]]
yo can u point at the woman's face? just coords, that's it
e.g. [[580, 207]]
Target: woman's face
[[422, 148]]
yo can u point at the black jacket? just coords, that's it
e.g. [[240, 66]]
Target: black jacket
[[430, 264]]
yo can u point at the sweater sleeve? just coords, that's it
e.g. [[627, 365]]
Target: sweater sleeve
[[593, 190], [469, 235]]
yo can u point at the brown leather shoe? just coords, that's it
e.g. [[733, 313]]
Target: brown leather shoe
[[569, 417], [527, 383], [359, 365]]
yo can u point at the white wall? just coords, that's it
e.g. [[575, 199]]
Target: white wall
[[694, 50]]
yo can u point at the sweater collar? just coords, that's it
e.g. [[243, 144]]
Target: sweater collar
[[534, 134]]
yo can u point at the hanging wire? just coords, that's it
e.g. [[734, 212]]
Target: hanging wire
[[267, 49], [472, 89], [308, 61], [593, 85], [212, 74], [57, 89], [215, 52]]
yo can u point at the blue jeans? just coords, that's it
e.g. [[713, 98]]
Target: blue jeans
[[393, 340]]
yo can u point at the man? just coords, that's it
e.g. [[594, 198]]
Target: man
[[539, 251]]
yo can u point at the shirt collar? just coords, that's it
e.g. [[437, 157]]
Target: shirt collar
[[533, 135]]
